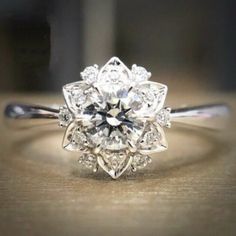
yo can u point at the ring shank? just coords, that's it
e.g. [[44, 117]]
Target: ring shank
[[205, 115], [209, 116], [24, 111]]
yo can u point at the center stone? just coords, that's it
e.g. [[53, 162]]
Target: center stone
[[113, 117]]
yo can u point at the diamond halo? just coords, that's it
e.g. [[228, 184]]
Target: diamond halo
[[115, 117]]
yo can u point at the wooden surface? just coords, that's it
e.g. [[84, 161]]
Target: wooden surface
[[188, 190]]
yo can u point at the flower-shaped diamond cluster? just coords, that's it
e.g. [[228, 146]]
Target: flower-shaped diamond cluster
[[114, 116]]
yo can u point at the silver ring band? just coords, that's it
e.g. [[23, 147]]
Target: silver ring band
[[192, 115]]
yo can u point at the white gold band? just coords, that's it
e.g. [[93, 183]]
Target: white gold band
[[193, 115]]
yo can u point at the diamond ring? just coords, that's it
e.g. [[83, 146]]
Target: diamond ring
[[115, 117]]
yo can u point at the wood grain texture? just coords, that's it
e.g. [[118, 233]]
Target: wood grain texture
[[188, 190]]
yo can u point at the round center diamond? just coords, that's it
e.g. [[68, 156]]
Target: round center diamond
[[112, 127]]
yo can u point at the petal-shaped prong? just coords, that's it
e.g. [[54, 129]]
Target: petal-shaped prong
[[74, 95], [113, 163], [153, 140], [113, 77], [160, 91], [74, 139], [67, 139], [150, 97]]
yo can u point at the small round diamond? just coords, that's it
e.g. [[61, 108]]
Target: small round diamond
[[163, 117], [89, 160], [140, 161], [65, 117], [140, 74], [89, 75]]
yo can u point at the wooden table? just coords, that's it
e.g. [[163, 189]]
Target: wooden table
[[188, 190]]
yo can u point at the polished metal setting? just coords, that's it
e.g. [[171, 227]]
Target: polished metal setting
[[115, 118]]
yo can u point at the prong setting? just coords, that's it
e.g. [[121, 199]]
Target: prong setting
[[115, 117]]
